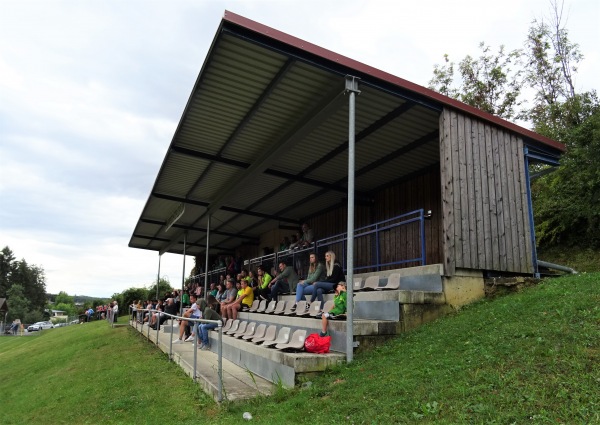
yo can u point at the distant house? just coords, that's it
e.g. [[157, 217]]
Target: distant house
[[58, 313]]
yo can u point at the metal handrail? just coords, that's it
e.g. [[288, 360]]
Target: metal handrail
[[219, 328], [375, 228]]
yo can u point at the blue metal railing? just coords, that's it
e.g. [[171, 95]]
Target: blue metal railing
[[374, 233]]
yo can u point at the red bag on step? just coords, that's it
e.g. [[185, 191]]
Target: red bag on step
[[317, 344]]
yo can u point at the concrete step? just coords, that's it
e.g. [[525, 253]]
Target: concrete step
[[238, 382]]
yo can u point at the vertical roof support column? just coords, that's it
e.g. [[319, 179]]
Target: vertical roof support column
[[158, 276], [206, 258], [352, 90], [183, 271]]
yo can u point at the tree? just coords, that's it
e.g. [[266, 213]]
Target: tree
[[164, 286], [7, 260], [567, 201], [64, 298], [492, 82], [552, 61]]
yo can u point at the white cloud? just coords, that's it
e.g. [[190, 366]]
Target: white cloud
[[91, 93]]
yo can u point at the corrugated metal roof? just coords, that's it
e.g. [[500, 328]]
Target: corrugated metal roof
[[263, 140]]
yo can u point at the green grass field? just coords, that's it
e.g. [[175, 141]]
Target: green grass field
[[529, 357]]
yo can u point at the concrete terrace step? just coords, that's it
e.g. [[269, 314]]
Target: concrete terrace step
[[238, 383]]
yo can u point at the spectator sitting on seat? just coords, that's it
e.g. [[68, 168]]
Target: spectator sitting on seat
[[244, 300], [208, 314], [295, 241], [252, 280], [316, 272], [156, 316], [307, 236], [231, 295], [168, 307], [284, 244], [262, 287], [285, 281], [213, 289], [185, 326], [339, 307], [185, 299], [220, 297], [334, 275]]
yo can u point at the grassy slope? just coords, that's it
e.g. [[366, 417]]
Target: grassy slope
[[529, 357]]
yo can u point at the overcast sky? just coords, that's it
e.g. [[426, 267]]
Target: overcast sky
[[91, 93]]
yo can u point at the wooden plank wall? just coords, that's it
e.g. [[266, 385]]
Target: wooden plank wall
[[484, 197], [422, 191]]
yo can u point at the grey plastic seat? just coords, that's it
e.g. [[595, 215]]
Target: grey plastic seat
[[280, 307], [270, 334], [314, 309], [283, 337], [358, 284], [254, 306], [301, 308], [248, 331], [259, 332], [296, 341], [393, 282], [328, 306], [262, 306], [234, 327], [227, 325], [371, 283], [288, 309], [271, 307]]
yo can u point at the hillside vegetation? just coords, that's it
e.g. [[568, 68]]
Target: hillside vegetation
[[529, 357]]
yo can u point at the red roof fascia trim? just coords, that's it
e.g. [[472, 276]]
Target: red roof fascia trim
[[382, 75]]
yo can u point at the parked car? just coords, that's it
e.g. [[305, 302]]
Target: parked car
[[38, 326]]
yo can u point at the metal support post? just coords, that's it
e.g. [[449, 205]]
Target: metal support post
[[352, 90], [206, 256]]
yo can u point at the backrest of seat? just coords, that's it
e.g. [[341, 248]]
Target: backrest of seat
[[283, 335], [259, 332], [271, 307], [280, 307], [262, 306], [328, 306], [255, 305], [248, 331], [234, 327], [301, 308], [358, 283], [241, 328], [288, 308], [372, 282], [315, 308], [228, 325], [296, 341], [270, 334], [393, 281]]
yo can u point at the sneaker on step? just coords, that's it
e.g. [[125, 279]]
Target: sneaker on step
[[177, 341], [200, 346], [322, 334], [205, 347], [293, 308], [189, 338]]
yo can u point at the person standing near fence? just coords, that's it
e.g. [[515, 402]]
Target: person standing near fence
[[115, 311]]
